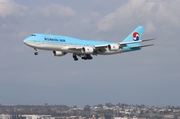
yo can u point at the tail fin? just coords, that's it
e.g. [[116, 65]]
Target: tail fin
[[135, 35]]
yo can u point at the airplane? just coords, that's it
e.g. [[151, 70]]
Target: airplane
[[61, 45]]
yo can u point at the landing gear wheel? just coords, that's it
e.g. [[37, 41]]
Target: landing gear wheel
[[36, 53], [84, 58], [87, 57], [75, 57]]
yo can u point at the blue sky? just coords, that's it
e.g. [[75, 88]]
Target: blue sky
[[150, 76]]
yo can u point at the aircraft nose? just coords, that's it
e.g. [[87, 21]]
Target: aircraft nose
[[28, 41], [25, 41]]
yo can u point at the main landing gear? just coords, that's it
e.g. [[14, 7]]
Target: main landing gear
[[87, 57], [35, 53], [84, 57], [75, 57]]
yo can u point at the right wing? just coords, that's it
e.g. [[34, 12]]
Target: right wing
[[123, 44], [103, 48]]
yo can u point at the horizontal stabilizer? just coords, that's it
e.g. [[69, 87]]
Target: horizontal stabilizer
[[131, 42], [148, 39], [147, 45], [142, 46]]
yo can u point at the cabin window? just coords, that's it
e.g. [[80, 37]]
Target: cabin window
[[33, 35]]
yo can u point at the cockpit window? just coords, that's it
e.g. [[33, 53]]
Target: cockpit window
[[33, 35]]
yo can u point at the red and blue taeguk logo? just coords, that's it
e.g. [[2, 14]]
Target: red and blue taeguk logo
[[135, 36]]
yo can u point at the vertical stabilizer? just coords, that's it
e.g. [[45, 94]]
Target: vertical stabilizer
[[135, 35]]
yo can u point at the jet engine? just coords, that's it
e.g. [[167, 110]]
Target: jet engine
[[59, 53], [113, 47], [87, 50]]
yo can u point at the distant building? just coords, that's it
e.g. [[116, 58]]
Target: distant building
[[127, 118], [169, 116], [4, 116], [120, 117], [101, 117], [38, 116], [93, 117]]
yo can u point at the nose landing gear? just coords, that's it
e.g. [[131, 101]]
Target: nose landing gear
[[35, 53]]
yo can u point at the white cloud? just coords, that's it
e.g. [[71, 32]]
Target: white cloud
[[150, 27], [4, 26], [9, 7], [144, 12], [56, 10]]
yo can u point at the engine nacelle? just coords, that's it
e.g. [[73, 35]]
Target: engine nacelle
[[113, 47], [87, 50], [59, 53]]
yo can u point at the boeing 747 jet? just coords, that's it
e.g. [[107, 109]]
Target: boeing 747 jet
[[61, 45]]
